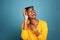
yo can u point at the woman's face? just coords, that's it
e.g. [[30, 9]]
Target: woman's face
[[31, 13]]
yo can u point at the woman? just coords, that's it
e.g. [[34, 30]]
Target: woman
[[32, 28]]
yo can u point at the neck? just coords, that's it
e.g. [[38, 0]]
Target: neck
[[33, 21]]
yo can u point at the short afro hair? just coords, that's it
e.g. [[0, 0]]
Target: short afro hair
[[29, 7]]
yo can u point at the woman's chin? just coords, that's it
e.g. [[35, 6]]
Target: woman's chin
[[34, 17]]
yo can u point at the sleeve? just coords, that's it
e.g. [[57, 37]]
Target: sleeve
[[24, 33], [43, 35]]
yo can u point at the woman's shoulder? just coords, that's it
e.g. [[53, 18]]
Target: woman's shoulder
[[42, 21]]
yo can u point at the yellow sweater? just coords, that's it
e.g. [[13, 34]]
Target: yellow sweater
[[30, 35]]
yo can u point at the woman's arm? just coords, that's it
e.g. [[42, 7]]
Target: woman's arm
[[43, 34], [24, 33]]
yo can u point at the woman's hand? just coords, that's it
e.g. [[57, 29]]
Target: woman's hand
[[25, 15], [34, 29]]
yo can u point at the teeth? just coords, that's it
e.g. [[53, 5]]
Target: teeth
[[32, 14]]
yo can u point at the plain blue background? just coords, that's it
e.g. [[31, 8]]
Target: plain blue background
[[11, 17]]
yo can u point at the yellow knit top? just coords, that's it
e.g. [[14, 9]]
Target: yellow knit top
[[30, 35]]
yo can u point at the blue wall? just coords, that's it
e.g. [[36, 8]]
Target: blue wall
[[11, 17]]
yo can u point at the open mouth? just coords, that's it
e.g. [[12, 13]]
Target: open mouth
[[33, 14]]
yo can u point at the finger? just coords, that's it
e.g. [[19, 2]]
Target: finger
[[24, 12]]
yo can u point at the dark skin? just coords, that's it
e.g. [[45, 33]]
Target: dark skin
[[31, 14]]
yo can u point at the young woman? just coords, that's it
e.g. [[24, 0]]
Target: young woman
[[32, 28]]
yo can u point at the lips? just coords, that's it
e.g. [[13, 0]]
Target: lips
[[33, 14]]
